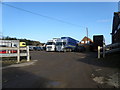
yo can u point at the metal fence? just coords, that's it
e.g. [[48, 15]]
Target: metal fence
[[18, 54], [111, 48]]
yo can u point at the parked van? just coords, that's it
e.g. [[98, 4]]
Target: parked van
[[22, 44]]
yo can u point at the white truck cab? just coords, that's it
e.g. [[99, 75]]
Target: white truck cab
[[50, 45]]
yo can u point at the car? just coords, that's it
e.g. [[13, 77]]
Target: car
[[31, 48], [38, 48], [79, 49], [8, 51], [3, 46], [13, 51], [3, 51]]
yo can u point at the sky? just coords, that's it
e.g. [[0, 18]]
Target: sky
[[96, 16]]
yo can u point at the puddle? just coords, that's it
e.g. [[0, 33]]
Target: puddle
[[53, 84]]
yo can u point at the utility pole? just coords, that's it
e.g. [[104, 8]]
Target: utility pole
[[87, 34], [119, 6]]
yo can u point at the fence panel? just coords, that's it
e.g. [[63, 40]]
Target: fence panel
[[9, 52]]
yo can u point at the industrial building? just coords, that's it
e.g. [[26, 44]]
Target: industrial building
[[116, 28]]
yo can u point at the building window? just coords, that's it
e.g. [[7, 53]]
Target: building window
[[82, 41]]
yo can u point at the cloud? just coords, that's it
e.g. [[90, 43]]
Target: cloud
[[104, 20]]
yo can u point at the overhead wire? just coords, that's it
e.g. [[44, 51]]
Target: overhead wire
[[45, 16]]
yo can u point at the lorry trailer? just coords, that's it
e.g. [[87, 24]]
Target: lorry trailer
[[66, 44]]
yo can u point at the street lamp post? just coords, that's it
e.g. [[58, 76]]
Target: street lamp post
[[87, 34]]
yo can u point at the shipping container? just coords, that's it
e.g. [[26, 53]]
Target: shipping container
[[98, 40]]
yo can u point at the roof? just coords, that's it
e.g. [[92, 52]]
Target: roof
[[86, 38]]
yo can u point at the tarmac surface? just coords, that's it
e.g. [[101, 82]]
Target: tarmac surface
[[57, 70]]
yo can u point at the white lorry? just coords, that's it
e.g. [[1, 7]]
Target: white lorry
[[51, 44], [66, 44]]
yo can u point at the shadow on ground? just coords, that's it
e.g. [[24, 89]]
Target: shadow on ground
[[17, 78], [111, 60]]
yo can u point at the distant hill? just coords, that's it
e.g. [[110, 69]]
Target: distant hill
[[28, 42]]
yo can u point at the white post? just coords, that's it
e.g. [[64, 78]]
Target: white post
[[98, 52], [18, 53], [28, 54], [103, 50]]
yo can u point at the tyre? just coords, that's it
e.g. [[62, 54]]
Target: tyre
[[65, 50], [70, 50]]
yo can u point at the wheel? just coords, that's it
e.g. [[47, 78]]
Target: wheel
[[64, 50], [55, 50], [70, 50]]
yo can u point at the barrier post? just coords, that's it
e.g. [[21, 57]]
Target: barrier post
[[28, 54], [18, 53], [98, 52], [103, 50]]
